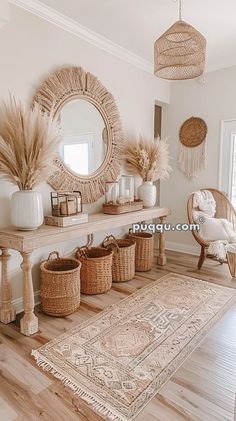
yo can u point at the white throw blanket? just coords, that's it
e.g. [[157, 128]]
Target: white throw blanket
[[231, 248], [218, 249]]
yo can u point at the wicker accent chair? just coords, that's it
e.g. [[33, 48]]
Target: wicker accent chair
[[224, 209]]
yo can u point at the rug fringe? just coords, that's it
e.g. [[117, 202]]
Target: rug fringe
[[97, 406]]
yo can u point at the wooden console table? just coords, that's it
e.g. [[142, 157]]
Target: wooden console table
[[26, 242]]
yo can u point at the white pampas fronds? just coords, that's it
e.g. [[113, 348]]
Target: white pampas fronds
[[29, 141], [148, 158]]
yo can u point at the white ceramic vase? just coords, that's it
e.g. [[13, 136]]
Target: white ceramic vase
[[26, 210], [148, 194]]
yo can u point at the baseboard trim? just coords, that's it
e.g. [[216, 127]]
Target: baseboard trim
[[182, 248], [18, 302]]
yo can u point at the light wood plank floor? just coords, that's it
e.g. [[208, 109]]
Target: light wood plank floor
[[203, 389]]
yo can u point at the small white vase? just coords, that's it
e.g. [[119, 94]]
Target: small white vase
[[26, 210], [148, 194]]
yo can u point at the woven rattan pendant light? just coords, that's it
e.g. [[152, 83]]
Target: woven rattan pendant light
[[180, 52]]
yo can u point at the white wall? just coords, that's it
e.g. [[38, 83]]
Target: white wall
[[30, 49], [214, 101], [4, 12]]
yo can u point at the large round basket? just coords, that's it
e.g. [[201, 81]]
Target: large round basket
[[144, 251], [193, 132], [123, 264], [96, 270], [60, 286]]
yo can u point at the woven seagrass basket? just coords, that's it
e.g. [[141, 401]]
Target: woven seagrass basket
[[123, 264], [60, 287], [144, 251], [96, 270]]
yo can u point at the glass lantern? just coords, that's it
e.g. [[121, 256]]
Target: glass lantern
[[66, 203], [112, 192], [137, 184], [126, 189]]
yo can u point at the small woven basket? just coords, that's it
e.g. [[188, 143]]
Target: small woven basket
[[123, 264], [60, 287], [96, 270], [144, 252]]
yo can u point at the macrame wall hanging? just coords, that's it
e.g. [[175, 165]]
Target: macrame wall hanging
[[192, 151]]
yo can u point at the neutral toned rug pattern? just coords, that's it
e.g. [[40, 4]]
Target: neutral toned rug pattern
[[119, 359]]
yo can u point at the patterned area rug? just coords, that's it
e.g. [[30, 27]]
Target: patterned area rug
[[119, 359]]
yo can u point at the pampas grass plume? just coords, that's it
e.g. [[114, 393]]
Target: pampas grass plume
[[148, 158], [29, 141]]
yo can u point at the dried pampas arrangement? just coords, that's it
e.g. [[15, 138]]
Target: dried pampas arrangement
[[148, 158], [29, 141]]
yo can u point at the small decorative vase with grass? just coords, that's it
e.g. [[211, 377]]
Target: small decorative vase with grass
[[148, 158], [29, 141]]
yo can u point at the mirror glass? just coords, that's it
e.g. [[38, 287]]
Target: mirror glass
[[85, 137]]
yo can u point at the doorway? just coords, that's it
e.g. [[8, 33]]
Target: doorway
[[157, 133]]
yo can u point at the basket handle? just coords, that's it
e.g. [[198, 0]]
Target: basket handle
[[110, 243], [82, 251], [109, 238], [52, 253]]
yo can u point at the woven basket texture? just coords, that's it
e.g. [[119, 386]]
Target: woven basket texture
[[193, 132], [123, 265], [60, 286], [144, 251], [180, 52], [96, 270]]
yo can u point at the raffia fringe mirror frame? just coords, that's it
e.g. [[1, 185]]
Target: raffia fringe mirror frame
[[62, 87]]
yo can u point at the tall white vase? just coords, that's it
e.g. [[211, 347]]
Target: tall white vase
[[26, 210], [148, 194]]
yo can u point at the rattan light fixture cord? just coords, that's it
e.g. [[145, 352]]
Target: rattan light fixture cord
[[180, 52]]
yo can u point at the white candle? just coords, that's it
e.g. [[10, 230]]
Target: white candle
[[108, 193], [121, 200], [114, 193], [127, 195]]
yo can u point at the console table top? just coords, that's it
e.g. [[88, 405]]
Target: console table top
[[47, 235]]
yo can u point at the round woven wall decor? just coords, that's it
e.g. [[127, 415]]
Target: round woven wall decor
[[193, 132]]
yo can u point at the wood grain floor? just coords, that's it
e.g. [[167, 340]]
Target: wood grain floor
[[203, 389]]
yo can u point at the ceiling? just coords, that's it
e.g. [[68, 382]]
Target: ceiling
[[136, 24]]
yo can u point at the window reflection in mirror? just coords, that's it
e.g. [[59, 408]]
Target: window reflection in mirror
[[84, 144]]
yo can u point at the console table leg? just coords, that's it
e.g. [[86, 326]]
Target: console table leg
[[29, 322], [7, 311], [161, 259]]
